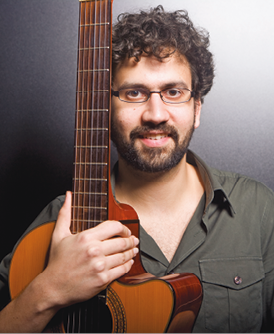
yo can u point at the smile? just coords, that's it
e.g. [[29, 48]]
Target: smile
[[155, 136]]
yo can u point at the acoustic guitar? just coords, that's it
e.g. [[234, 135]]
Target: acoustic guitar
[[137, 302]]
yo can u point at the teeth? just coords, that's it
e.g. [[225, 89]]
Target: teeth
[[155, 137]]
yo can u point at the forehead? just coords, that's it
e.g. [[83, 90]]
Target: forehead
[[153, 73]]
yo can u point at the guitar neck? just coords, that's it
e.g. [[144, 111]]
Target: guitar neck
[[92, 119]]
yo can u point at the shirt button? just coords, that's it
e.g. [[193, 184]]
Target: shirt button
[[238, 280]]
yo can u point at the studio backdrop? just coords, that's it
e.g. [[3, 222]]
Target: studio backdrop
[[38, 54]]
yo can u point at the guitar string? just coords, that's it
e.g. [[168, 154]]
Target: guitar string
[[105, 82], [94, 113], [107, 62], [102, 115], [80, 115], [70, 317], [103, 33], [98, 98], [98, 102], [89, 117], [82, 166], [99, 136], [104, 19], [85, 196], [80, 85], [92, 65], [102, 216]]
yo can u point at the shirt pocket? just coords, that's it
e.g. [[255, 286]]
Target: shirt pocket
[[232, 293]]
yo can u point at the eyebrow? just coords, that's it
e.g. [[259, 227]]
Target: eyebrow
[[180, 84]]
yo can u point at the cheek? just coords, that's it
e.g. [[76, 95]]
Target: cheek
[[123, 123], [126, 117], [184, 121]]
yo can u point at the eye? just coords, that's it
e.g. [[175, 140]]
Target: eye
[[135, 94], [173, 93]]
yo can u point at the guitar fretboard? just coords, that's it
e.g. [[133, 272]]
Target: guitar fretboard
[[90, 182]]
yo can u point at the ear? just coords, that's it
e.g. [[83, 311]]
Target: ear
[[197, 111]]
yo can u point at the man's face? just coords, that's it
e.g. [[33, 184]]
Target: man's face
[[153, 136]]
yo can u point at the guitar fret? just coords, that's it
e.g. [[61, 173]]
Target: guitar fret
[[91, 146], [91, 110], [89, 193], [95, 70], [90, 163], [89, 207], [94, 24], [92, 129], [86, 220], [93, 91], [94, 48], [88, 179]]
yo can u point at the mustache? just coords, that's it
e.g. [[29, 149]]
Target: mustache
[[139, 130]]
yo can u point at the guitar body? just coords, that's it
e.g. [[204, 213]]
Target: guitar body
[[136, 303]]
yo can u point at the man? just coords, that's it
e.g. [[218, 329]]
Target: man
[[216, 225]]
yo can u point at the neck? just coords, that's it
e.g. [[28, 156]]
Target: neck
[[148, 190]]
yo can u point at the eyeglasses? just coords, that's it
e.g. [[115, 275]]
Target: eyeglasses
[[140, 95]]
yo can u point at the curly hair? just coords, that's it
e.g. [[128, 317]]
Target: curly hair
[[159, 33]]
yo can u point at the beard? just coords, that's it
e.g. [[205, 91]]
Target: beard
[[151, 159]]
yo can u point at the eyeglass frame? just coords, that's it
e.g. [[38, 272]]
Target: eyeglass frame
[[116, 93]]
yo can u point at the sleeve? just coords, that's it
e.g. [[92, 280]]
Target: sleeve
[[49, 213]]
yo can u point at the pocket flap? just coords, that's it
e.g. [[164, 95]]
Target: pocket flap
[[234, 273]]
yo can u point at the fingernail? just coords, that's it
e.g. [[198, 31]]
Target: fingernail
[[136, 250], [136, 241]]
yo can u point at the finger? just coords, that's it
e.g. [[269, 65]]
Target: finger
[[62, 227], [121, 270], [117, 260], [118, 245], [107, 230], [104, 278]]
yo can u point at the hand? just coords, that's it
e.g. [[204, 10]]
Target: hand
[[81, 265]]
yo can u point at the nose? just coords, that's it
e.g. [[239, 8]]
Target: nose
[[156, 111]]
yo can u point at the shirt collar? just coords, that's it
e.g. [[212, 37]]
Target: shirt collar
[[211, 182]]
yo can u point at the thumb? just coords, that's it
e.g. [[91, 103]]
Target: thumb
[[62, 227]]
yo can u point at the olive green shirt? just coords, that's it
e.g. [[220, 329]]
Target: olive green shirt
[[228, 244]]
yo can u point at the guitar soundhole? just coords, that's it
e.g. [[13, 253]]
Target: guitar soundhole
[[92, 316]]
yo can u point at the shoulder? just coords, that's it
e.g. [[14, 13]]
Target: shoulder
[[48, 214], [236, 185], [231, 183], [242, 192]]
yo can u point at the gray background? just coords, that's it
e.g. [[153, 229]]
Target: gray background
[[37, 97]]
